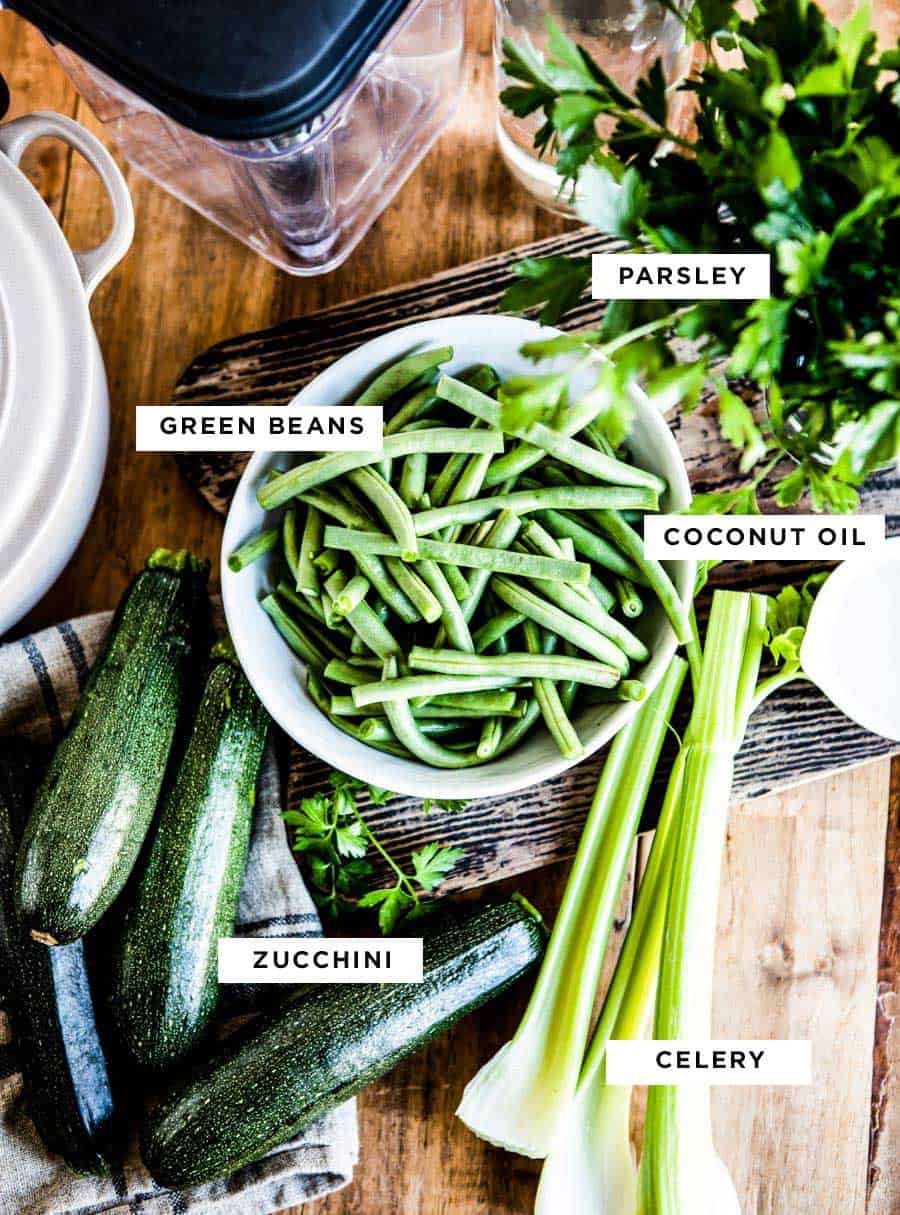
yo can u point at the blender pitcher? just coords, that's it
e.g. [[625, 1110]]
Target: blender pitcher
[[290, 125]]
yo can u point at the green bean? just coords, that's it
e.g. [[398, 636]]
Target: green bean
[[379, 575], [345, 672], [319, 697], [483, 702], [514, 732], [373, 728], [587, 543], [499, 535], [312, 627], [551, 617], [581, 604], [343, 706], [310, 544], [432, 710], [352, 595], [629, 600], [409, 582], [392, 509], [412, 479], [408, 732], [410, 687], [447, 477], [628, 689], [327, 561], [492, 559], [601, 593], [471, 479], [451, 614], [541, 541], [524, 456], [458, 583], [296, 637], [375, 570], [309, 607], [566, 449], [651, 572], [366, 621], [434, 441], [332, 619], [491, 733], [552, 709], [254, 548], [574, 497], [495, 628], [481, 376], [513, 665], [402, 374], [336, 507], [289, 542], [413, 409]]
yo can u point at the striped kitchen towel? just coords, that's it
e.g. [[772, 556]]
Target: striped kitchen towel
[[40, 678]]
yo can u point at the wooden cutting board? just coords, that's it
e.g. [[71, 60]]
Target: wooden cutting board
[[797, 735]]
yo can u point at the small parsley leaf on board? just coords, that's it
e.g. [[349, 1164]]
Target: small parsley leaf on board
[[338, 846]]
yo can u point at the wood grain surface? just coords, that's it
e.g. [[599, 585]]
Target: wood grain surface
[[802, 871], [796, 735]]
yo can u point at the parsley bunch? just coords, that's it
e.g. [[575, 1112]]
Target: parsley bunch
[[338, 843], [797, 154]]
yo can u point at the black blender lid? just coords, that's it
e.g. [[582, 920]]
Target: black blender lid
[[230, 69]]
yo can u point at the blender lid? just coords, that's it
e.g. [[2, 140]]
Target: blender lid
[[224, 68]]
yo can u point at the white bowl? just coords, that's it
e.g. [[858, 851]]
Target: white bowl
[[278, 676]]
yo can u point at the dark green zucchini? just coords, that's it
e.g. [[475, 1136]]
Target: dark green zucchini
[[165, 986], [265, 1084], [99, 794], [67, 1085]]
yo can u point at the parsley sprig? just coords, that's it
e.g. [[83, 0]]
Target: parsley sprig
[[796, 153], [337, 842]]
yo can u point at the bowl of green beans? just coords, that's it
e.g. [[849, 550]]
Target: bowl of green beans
[[469, 610]]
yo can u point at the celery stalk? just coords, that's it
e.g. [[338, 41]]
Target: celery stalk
[[680, 1172], [521, 1097], [591, 1169]]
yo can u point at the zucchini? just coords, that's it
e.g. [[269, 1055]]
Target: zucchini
[[268, 1081], [165, 968], [67, 1085], [97, 799]]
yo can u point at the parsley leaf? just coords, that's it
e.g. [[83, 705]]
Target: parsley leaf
[[337, 843], [796, 152]]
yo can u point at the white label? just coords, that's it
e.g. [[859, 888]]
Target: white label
[[757, 1062], [320, 960], [758, 538], [258, 428], [681, 276]]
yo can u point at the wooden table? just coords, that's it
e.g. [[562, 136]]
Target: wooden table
[[808, 879]]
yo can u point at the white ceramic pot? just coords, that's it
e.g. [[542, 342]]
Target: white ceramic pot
[[278, 675], [54, 405]]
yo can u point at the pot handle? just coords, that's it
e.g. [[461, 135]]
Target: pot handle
[[93, 264]]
